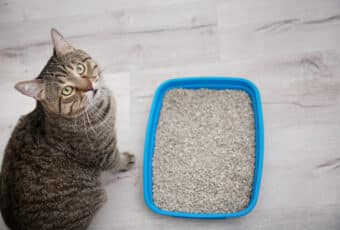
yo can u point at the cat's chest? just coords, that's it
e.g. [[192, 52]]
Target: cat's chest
[[87, 146]]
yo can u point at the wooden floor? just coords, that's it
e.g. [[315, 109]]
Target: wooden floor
[[289, 48]]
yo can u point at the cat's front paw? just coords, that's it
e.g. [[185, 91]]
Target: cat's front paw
[[127, 161]]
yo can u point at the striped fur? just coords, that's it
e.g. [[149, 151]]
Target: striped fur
[[50, 172]]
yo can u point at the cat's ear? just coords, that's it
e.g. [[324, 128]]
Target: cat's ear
[[61, 46], [34, 88]]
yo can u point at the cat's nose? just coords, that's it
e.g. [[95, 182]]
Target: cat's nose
[[85, 84]]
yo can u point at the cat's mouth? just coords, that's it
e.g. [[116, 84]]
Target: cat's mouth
[[93, 89]]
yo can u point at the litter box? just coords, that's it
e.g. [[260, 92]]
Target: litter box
[[212, 83]]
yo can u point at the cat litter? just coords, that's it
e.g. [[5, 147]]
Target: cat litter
[[204, 161]]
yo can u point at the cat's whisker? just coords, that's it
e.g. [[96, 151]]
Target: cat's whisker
[[98, 114], [85, 129], [75, 122], [99, 117], [90, 124]]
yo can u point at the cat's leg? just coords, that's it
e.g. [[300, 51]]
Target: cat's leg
[[119, 161], [80, 218], [124, 161]]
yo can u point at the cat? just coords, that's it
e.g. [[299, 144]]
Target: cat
[[52, 162]]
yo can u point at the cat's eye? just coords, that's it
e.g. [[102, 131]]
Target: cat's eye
[[80, 68], [67, 90]]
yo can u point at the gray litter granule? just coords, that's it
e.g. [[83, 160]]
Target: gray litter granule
[[204, 151]]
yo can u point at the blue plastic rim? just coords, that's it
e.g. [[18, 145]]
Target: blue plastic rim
[[216, 83]]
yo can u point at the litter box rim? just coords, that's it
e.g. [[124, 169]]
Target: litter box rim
[[204, 82]]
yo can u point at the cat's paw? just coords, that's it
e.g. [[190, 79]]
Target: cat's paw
[[128, 160]]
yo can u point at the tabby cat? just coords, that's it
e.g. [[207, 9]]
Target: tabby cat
[[52, 162]]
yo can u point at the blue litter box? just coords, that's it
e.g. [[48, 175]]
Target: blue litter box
[[216, 83]]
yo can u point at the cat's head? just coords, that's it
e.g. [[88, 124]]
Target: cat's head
[[68, 83]]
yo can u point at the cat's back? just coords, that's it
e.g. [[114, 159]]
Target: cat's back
[[21, 141], [38, 181]]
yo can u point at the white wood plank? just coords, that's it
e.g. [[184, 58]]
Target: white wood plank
[[143, 20], [274, 28], [281, 219], [18, 11], [122, 52]]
